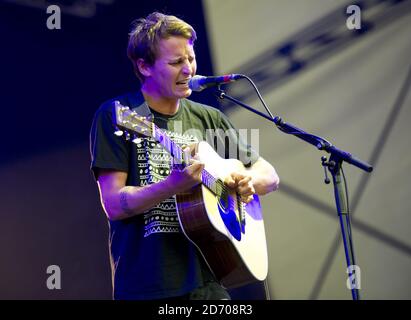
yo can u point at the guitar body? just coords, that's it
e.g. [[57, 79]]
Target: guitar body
[[236, 254], [229, 234]]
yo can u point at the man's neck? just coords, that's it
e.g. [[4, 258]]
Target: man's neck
[[160, 104]]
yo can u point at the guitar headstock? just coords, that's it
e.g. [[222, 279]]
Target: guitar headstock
[[130, 121]]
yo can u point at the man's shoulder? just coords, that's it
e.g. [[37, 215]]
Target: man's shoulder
[[130, 99], [201, 109]]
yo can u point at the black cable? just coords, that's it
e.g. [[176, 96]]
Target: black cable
[[321, 141], [346, 190]]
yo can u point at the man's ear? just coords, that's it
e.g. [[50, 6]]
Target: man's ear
[[143, 67]]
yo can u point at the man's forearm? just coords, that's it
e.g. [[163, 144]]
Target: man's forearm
[[130, 201], [264, 177]]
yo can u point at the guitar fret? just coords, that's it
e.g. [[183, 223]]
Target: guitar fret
[[206, 179], [175, 151], [178, 153], [171, 147], [211, 183], [219, 189]]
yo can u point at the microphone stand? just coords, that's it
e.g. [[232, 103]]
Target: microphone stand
[[333, 164]]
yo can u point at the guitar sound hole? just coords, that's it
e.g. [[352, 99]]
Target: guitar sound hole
[[226, 205]]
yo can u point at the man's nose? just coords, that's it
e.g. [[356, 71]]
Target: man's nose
[[187, 68]]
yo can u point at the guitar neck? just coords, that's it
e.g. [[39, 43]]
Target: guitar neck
[[179, 156], [132, 121], [215, 185]]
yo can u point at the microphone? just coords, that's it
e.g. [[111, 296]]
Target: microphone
[[199, 83]]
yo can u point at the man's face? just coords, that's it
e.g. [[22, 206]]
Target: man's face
[[174, 66]]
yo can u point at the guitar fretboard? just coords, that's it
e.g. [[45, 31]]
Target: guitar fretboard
[[213, 184]]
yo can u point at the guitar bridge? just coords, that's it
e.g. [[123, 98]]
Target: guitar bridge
[[241, 211]]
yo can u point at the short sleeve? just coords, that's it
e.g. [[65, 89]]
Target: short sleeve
[[108, 151], [236, 143]]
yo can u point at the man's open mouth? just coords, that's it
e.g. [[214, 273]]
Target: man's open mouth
[[183, 82]]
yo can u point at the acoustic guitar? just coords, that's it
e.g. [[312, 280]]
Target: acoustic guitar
[[228, 233]]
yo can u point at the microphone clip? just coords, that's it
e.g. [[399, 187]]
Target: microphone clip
[[325, 164]]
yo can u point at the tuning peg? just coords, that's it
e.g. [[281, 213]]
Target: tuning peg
[[136, 139], [325, 164], [118, 132]]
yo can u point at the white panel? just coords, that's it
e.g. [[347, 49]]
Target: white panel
[[347, 99], [240, 29]]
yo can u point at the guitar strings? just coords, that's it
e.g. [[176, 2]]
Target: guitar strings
[[164, 136]]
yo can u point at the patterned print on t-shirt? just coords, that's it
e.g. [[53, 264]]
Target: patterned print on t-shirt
[[154, 165]]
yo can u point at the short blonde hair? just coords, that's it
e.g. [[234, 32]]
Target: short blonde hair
[[147, 32]]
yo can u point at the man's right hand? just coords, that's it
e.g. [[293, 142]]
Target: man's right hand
[[183, 180]]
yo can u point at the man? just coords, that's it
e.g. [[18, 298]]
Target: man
[[150, 256]]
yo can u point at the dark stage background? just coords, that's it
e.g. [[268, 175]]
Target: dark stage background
[[51, 83]]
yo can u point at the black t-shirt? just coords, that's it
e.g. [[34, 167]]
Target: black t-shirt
[[150, 256]]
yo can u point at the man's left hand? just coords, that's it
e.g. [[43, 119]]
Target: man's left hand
[[243, 184]]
